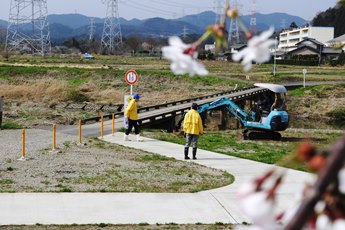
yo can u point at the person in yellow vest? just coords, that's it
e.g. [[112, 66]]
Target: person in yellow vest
[[131, 113], [192, 126]]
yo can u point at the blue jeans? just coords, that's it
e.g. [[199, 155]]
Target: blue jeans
[[192, 138]]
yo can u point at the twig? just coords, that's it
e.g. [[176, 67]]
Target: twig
[[328, 175]]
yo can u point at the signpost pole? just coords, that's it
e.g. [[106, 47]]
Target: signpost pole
[[304, 71], [1, 109]]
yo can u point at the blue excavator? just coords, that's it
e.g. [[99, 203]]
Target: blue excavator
[[265, 121]]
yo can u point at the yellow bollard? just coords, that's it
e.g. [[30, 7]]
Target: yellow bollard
[[23, 146], [79, 133], [113, 124], [54, 137], [102, 126]]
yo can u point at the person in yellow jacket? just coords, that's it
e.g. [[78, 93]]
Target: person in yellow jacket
[[131, 114], [192, 126]]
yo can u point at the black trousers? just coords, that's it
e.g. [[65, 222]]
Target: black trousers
[[132, 123]]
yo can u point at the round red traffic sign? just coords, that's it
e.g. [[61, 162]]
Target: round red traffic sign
[[131, 77]]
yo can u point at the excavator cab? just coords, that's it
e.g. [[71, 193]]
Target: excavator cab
[[271, 120]]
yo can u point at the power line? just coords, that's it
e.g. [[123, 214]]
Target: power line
[[182, 5], [150, 7], [155, 10], [147, 9]]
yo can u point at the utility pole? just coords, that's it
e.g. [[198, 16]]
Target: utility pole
[[111, 37], [274, 58], [22, 39]]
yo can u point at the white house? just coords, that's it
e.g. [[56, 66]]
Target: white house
[[289, 38]]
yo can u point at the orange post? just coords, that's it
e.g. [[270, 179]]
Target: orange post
[[102, 126], [54, 137], [79, 133], [113, 124], [23, 145]]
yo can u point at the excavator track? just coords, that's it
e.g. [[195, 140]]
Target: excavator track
[[252, 134]]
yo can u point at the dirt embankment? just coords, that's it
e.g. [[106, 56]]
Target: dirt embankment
[[325, 101]]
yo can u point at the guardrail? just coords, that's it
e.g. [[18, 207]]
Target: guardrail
[[88, 107], [177, 111], [159, 106], [165, 105], [166, 115]]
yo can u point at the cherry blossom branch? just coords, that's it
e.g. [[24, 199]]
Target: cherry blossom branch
[[327, 175]]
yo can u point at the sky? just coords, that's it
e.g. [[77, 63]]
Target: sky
[[142, 9]]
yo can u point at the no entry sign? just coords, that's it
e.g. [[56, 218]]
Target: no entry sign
[[131, 77]]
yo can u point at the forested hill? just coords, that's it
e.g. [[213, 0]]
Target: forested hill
[[332, 17]]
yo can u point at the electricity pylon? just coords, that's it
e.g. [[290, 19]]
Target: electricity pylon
[[111, 37], [28, 29], [92, 28], [218, 9], [234, 36], [253, 18]]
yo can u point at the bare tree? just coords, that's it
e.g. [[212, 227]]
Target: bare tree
[[133, 42], [152, 44]]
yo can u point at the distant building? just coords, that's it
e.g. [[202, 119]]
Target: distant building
[[289, 38], [336, 42], [210, 47], [237, 48], [312, 47]]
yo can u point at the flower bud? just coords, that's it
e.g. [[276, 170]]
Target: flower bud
[[316, 162], [232, 13], [306, 151]]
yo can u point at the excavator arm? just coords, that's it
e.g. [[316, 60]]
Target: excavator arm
[[234, 109]]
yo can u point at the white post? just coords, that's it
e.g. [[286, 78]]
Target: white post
[[131, 90], [304, 75], [303, 80]]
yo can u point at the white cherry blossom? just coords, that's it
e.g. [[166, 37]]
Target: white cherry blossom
[[183, 58], [339, 224], [257, 50], [341, 178], [323, 222], [250, 204]]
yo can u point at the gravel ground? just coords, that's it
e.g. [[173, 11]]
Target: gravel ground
[[11, 147], [95, 167]]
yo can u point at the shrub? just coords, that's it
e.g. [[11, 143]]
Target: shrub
[[77, 96], [11, 125], [338, 114]]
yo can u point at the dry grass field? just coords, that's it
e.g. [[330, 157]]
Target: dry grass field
[[34, 86]]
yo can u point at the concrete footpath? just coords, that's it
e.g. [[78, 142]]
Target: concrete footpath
[[217, 205]]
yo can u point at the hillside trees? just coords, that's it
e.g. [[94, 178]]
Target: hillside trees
[[332, 17]]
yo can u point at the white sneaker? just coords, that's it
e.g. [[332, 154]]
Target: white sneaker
[[139, 139], [125, 137]]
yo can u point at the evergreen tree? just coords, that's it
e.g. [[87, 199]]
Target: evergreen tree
[[293, 25], [334, 17]]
